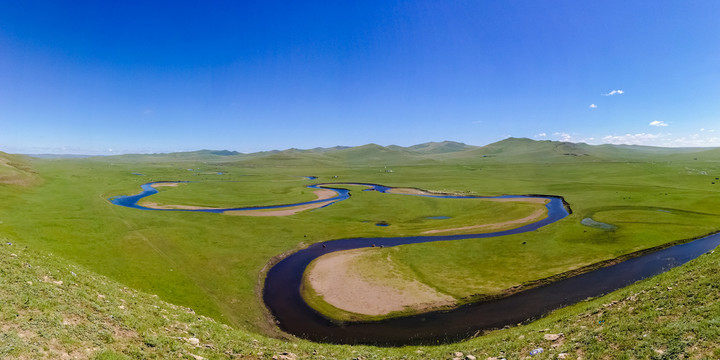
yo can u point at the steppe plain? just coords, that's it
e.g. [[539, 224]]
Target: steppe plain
[[214, 263]]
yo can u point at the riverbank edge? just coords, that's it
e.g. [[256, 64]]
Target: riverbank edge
[[268, 326], [140, 206], [340, 316], [478, 298]]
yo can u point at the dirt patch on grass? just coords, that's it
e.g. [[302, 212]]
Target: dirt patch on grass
[[321, 194], [153, 205], [334, 278], [535, 216], [278, 212], [165, 184], [409, 191]]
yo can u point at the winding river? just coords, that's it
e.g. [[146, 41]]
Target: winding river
[[281, 292], [148, 189]]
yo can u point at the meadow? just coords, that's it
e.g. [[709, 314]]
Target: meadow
[[214, 263]]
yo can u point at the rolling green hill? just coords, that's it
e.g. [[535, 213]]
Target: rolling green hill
[[513, 150], [376, 155], [523, 150], [16, 170], [440, 147]]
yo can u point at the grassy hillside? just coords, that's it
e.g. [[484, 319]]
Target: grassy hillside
[[52, 308], [440, 147], [16, 170]]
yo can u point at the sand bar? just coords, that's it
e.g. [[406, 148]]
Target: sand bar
[[332, 277], [321, 194], [278, 212]]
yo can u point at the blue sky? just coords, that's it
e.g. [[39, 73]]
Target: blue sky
[[101, 77]]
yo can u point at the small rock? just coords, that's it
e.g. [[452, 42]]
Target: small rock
[[101, 296], [285, 356], [197, 357], [669, 288], [470, 357], [458, 354], [553, 337], [121, 307], [562, 355], [193, 341], [13, 255]]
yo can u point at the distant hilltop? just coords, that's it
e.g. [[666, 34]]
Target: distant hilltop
[[512, 150]]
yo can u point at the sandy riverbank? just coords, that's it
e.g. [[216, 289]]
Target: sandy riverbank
[[321, 194], [335, 278]]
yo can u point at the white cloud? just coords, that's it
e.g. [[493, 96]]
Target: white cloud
[[541, 135], [658, 123], [699, 139], [695, 140], [633, 139], [614, 92], [593, 106], [563, 136]]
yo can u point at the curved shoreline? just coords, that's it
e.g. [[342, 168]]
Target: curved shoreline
[[149, 189], [337, 283], [517, 305], [282, 294], [132, 201]]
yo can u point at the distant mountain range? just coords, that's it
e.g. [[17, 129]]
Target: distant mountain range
[[511, 150]]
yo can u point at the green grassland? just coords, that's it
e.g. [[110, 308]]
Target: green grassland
[[256, 191], [214, 263], [54, 308], [650, 203]]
